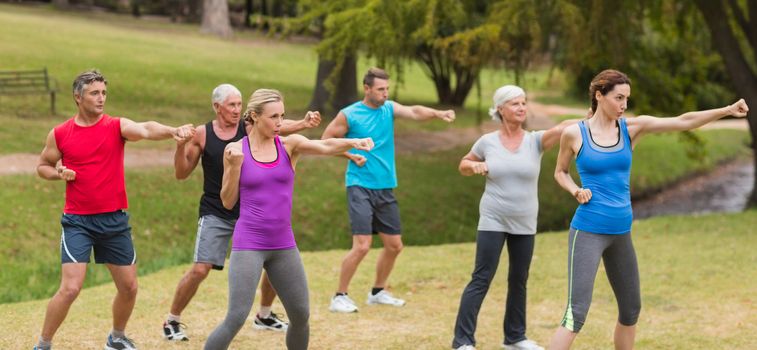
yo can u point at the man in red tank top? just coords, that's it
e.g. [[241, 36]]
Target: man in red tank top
[[90, 148]]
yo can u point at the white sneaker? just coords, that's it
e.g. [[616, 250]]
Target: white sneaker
[[523, 345], [384, 298], [466, 347], [342, 303]]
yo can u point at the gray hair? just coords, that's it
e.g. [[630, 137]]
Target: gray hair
[[222, 92], [85, 78], [502, 95]]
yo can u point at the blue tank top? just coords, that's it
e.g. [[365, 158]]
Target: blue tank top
[[379, 171], [606, 172]]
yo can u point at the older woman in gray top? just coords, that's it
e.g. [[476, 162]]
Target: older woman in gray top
[[510, 158]]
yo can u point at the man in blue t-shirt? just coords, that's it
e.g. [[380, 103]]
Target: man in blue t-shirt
[[370, 179]]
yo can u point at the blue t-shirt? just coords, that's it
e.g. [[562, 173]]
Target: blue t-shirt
[[379, 171], [606, 171]]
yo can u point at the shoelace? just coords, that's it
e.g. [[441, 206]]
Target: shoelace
[[276, 316], [179, 324]]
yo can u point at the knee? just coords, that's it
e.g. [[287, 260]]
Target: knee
[[361, 250], [69, 291], [394, 248], [129, 289], [629, 314], [199, 272]]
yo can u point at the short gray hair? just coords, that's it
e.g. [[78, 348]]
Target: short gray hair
[[502, 95], [85, 78], [222, 92]]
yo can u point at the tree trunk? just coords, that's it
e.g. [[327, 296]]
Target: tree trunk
[[215, 18], [345, 92], [248, 9], [123, 6], [744, 79]]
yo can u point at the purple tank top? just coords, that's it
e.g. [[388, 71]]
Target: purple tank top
[[265, 202]]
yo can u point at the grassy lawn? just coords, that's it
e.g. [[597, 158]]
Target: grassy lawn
[[698, 292]]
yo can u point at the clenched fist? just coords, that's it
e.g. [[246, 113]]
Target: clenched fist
[[582, 195], [738, 109], [359, 159], [184, 133], [448, 115], [233, 154], [312, 119], [480, 168], [365, 144], [66, 174]]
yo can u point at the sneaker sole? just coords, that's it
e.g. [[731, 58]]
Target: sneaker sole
[[375, 303], [267, 328], [343, 312]]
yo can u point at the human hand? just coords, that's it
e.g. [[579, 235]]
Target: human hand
[[233, 154], [738, 109], [312, 119], [365, 144], [66, 174], [359, 159], [480, 168], [183, 133], [448, 115], [582, 195]]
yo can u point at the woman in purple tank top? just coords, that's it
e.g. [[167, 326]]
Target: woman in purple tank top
[[259, 173]]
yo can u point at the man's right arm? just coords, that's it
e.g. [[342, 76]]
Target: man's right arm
[[337, 129], [188, 154], [49, 158]]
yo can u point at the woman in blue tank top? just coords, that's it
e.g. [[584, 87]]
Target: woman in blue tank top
[[601, 228]]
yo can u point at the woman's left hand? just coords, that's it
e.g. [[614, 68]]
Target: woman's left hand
[[738, 109]]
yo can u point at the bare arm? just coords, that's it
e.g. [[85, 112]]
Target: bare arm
[[691, 120], [420, 113], [49, 158], [568, 151], [552, 135], [337, 129], [188, 154], [333, 146], [472, 165], [151, 130], [311, 120], [232, 168]]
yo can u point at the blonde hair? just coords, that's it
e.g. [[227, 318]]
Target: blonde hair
[[258, 99]]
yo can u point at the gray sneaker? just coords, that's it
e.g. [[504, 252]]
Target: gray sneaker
[[119, 343]]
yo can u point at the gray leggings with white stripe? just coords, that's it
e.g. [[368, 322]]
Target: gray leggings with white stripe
[[584, 251], [287, 277]]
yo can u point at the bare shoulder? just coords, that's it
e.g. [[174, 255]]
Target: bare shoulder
[[292, 139], [571, 131], [639, 120]]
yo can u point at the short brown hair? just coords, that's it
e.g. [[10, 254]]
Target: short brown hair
[[86, 78], [604, 82], [374, 73]]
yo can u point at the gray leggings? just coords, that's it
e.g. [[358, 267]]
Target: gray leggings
[[287, 277], [584, 251]]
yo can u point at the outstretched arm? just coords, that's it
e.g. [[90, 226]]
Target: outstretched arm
[[568, 150], [691, 120], [299, 144], [552, 135], [419, 113], [133, 131], [472, 165], [232, 168], [311, 120], [48, 159], [337, 129]]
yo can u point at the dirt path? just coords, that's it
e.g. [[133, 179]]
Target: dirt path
[[540, 117]]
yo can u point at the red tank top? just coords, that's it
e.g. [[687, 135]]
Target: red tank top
[[96, 154]]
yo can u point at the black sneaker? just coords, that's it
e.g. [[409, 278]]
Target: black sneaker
[[174, 331], [119, 343], [272, 322]]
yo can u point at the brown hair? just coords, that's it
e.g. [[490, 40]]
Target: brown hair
[[604, 82], [374, 73], [258, 99]]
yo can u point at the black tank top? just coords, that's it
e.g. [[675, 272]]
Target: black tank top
[[212, 167]]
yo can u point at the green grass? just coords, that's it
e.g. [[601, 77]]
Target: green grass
[[436, 203], [697, 293]]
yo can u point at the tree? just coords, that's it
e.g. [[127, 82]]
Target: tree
[[60, 3], [734, 36], [215, 18]]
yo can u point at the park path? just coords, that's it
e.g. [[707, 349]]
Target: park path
[[540, 117]]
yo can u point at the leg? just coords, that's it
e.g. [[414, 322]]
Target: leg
[[623, 273], [125, 278], [267, 293], [72, 278], [584, 252], [361, 244], [245, 268], [520, 249], [488, 249], [387, 257], [288, 276], [188, 286]]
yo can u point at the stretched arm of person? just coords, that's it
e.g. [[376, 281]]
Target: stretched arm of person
[[472, 165], [337, 129], [188, 154], [420, 113], [133, 131], [232, 168], [691, 120], [552, 135], [48, 159], [311, 120], [562, 170], [334, 146]]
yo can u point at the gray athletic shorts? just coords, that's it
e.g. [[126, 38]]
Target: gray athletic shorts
[[212, 242], [373, 211], [108, 234]]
